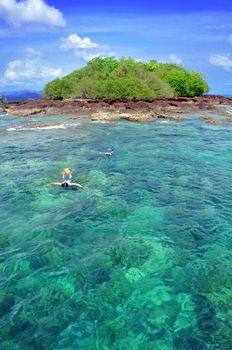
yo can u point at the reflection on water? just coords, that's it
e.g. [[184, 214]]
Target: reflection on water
[[139, 259]]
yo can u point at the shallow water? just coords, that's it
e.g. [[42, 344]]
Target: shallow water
[[139, 259]]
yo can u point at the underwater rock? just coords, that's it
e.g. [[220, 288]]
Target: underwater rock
[[39, 124], [210, 120], [6, 305], [76, 117], [97, 178], [150, 297], [134, 274], [174, 117], [144, 219], [101, 275], [79, 335], [38, 261]]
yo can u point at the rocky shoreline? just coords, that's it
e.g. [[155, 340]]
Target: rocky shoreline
[[137, 111]]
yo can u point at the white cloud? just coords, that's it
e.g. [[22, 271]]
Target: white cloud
[[74, 41], [16, 12], [88, 55], [85, 48], [174, 59], [29, 71], [221, 61], [30, 52]]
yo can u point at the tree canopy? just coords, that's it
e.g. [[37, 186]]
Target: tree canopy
[[126, 78]]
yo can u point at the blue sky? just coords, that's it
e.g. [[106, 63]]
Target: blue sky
[[44, 40]]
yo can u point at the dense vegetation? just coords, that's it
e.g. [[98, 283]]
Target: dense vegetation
[[128, 79]]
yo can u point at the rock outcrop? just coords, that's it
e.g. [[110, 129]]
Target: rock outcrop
[[3, 104], [112, 116], [140, 111]]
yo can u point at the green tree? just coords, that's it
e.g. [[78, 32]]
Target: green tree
[[128, 79], [58, 89]]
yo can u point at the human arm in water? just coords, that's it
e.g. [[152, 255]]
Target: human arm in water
[[54, 183], [72, 184], [106, 153]]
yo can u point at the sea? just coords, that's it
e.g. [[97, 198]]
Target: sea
[[140, 258]]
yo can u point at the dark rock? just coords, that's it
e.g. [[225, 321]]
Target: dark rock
[[147, 106], [102, 275], [6, 305]]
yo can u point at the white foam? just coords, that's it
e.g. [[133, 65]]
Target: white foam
[[101, 121], [74, 124], [50, 127]]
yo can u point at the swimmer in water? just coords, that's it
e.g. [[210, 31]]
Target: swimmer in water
[[109, 152], [67, 179]]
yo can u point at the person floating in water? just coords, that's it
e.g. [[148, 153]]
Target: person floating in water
[[67, 179], [109, 152]]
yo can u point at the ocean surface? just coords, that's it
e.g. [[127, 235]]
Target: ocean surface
[[138, 259]]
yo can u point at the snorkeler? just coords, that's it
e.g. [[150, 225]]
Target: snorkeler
[[67, 175], [109, 152], [67, 178]]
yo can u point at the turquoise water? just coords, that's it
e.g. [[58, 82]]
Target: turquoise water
[[138, 259]]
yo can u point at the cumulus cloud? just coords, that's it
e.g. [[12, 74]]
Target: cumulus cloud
[[85, 48], [221, 61], [31, 52], [74, 41], [29, 71], [174, 59], [16, 12]]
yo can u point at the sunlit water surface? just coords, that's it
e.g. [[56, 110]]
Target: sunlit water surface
[[138, 259]]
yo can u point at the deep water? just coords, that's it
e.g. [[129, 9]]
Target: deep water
[[139, 259]]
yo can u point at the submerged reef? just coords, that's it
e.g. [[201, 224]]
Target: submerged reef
[[137, 259]]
